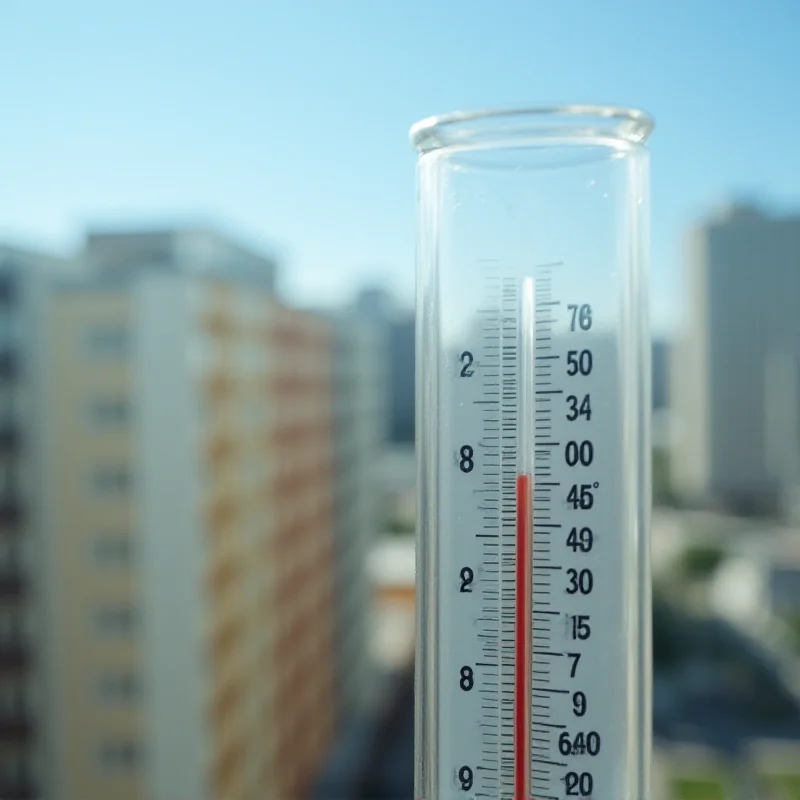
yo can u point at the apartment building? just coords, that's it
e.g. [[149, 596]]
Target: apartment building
[[23, 275], [191, 530], [361, 376], [734, 373], [379, 308]]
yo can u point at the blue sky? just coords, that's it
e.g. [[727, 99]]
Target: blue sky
[[286, 122]]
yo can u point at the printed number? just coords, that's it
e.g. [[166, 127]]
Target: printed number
[[583, 743], [466, 359], [579, 362], [582, 540], [582, 453], [579, 785], [467, 679], [581, 496], [467, 576], [579, 704], [580, 626], [574, 668], [583, 314], [465, 776], [466, 464], [582, 581], [576, 410]]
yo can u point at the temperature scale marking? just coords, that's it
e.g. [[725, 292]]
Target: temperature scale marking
[[526, 682]]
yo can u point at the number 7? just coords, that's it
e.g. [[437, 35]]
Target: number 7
[[574, 310], [577, 657]]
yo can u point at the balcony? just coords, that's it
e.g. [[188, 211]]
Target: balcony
[[15, 726], [14, 657], [20, 788], [10, 514], [7, 296], [9, 365], [12, 583], [9, 441]]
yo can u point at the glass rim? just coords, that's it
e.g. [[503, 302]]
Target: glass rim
[[501, 127]]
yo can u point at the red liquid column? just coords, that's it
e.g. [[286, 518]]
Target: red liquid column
[[522, 648]]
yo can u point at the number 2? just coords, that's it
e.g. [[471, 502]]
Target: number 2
[[466, 359], [467, 576]]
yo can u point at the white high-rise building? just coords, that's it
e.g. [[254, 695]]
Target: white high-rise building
[[734, 373], [188, 558]]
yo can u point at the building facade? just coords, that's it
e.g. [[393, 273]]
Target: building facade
[[360, 422], [377, 307], [190, 520], [23, 757], [734, 372]]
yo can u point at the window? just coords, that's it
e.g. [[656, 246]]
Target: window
[[16, 402], [118, 688], [9, 365], [115, 620], [112, 550], [7, 476], [11, 624], [9, 552], [7, 288], [14, 767], [109, 412], [119, 754], [111, 479], [107, 341], [10, 326], [13, 702]]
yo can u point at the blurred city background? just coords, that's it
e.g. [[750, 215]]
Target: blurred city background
[[207, 492]]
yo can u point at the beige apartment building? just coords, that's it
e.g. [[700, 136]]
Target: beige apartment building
[[188, 571]]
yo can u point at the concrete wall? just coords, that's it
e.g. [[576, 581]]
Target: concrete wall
[[171, 541]]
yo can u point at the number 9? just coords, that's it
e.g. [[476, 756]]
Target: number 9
[[465, 776]]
